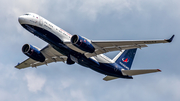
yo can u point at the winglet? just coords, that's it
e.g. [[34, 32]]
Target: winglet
[[170, 40]]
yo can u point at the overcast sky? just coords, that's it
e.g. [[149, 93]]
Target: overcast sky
[[96, 20]]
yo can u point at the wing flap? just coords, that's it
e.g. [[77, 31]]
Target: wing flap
[[138, 72]]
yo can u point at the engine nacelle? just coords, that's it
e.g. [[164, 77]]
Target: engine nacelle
[[33, 53], [82, 43]]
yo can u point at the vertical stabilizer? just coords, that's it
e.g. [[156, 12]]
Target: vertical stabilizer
[[125, 58]]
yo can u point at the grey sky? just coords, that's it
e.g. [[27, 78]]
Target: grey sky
[[96, 20]]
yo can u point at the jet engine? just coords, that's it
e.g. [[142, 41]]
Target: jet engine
[[82, 43], [33, 53]]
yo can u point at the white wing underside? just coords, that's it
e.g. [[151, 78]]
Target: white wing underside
[[50, 54]]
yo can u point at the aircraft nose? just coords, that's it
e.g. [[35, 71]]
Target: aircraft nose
[[21, 19]]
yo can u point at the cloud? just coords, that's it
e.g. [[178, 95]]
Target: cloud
[[34, 82], [94, 19], [78, 95], [172, 89]]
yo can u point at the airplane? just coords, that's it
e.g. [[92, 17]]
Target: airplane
[[71, 49]]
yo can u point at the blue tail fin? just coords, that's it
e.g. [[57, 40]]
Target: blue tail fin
[[126, 58]]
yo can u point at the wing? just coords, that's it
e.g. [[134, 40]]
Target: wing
[[108, 46], [50, 54]]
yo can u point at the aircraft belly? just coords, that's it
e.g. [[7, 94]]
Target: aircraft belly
[[87, 62], [111, 70]]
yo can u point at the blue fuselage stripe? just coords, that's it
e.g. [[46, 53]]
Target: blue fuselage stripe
[[111, 69]]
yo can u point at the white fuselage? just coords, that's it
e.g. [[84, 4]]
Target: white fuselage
[[36, 20]]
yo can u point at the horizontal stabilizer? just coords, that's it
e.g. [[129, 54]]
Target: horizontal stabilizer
[[107, 78], [138, 72]]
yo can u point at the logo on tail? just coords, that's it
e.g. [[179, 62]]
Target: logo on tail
[[126, 60]]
